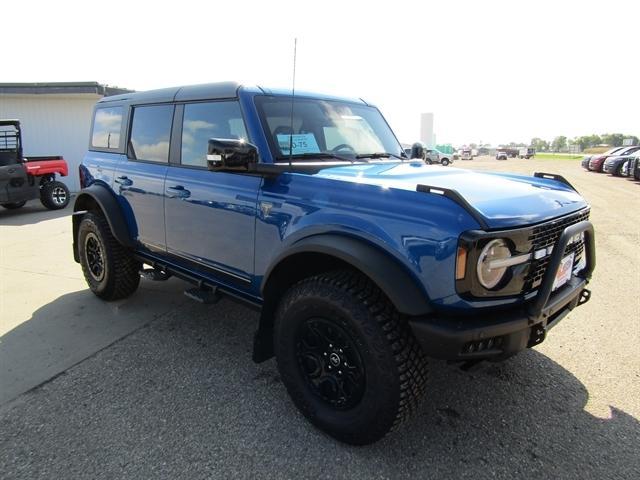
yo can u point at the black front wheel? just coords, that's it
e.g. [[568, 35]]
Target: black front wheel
[[445, 162], [13, 205], [348, 360], [55, 195]]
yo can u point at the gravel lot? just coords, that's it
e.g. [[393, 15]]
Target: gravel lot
[[177, 395]]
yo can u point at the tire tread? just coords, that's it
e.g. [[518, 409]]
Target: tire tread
[[410, 361], [125, 268]]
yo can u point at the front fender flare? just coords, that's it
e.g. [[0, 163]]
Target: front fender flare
[[394, 279]]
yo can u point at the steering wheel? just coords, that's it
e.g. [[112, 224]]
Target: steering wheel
[[343, 146]]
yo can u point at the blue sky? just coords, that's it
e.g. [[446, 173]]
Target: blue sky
[[491, 71]]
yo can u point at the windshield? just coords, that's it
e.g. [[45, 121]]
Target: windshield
[[613, 150], [323, 128], [627, 151]]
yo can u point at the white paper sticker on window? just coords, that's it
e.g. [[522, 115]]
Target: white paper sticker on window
[[300, 143]]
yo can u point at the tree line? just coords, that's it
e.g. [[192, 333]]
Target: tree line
[[562, 143]]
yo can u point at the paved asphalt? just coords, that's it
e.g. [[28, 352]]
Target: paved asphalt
[[179, 397]]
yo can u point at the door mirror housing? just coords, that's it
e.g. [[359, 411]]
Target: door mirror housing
[[226, 154], [418, 150]]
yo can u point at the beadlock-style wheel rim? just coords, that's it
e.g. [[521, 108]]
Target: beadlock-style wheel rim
[[330, 363], [94, 254], [59, 196]]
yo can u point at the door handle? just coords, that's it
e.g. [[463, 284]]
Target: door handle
[[177, 191], [12, 170], [123, 180]]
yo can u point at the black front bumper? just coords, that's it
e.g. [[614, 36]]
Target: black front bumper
[[501, 333]]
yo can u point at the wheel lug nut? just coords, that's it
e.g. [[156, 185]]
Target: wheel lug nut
[[340, 350], [339, 372], [325, 354], [330, 345]]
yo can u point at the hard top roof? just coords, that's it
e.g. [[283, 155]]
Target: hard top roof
[[209, 91]]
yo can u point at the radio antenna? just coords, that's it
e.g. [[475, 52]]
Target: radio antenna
[[293, 94]]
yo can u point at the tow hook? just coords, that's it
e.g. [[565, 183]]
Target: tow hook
[[538, 334], [585, 296]]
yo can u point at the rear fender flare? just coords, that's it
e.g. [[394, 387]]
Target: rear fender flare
[[99, 196]]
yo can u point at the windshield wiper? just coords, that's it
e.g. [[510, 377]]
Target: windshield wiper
[[319, 155], [378, 155]]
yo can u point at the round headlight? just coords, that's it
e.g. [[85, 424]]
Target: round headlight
[[494, 250]]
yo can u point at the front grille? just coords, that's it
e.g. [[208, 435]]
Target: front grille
[[546, 235], [538, 268]]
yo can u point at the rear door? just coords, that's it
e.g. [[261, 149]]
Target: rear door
[[210, 216], [139, 180]]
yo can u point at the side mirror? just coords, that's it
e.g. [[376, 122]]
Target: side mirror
[[231, 154], [418, 150]]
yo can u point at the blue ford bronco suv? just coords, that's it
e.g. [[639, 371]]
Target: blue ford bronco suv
[[361, 261]]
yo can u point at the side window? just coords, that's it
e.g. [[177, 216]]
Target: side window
[[106, 128], [150, 133], [203, 121]]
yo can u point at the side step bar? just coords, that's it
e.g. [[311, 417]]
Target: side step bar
[[201, 284], [206, 295]]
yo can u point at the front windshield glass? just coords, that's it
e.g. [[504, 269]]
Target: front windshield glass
[[325, 127]]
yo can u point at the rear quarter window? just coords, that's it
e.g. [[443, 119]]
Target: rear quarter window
[[107, 124]]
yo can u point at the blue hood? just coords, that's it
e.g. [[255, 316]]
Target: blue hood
[[504, 200]]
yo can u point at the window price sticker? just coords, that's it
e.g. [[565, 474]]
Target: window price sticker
[[300, 143]]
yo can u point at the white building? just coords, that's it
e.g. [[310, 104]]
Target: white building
[[55, 118], [426, 130]]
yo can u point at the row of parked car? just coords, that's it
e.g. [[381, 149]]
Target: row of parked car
[[618, 161]]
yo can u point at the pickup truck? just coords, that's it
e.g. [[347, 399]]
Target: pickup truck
[[466, 154], [361, 261], [526, 152], [436, 156], [419, 151], [23, 179]]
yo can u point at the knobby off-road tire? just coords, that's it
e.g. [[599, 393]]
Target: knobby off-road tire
[[342, 319], [109, 269], [13, 205], [55, 195]]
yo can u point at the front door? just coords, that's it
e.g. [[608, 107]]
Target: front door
[[139, 180], [210, 216]]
